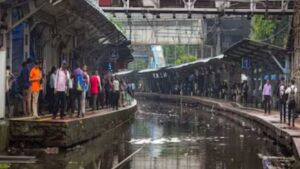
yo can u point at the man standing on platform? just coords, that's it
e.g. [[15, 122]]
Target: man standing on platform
[[86, 80], [60, 86], [35, 78], [282, 98], [292, 93], [94, 82], [267, 95], [78, 88], [24, 83], [116, 93]]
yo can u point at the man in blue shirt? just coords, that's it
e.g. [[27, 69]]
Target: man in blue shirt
[[25, 87]]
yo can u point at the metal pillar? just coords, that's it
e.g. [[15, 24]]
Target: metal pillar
[[287, 69], [26, 42], [218, 47], [3, 53]]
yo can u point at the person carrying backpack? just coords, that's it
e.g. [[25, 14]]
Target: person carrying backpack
[[291, 91], [282, 99], [78, 88]]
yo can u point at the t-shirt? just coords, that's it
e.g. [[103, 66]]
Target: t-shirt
[[292, 92], [86, 78], [52, 80], [62, 77], [116, 85], [267, 90], [24, 78], [35, 77], [94, 82]]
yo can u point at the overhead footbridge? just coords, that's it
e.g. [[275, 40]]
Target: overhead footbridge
[[234, 7]]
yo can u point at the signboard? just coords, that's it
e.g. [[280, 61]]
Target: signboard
[[245, 62]]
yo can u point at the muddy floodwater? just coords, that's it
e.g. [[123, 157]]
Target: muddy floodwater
[[168, 137]]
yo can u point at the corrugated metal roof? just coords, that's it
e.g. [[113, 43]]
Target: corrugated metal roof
[[259, 54], [197, 61]]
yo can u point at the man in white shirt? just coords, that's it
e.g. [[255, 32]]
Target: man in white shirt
[[60, 86], [282, 100], [116, 93], [292, 94]]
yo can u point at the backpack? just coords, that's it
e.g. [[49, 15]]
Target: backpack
[[292, 94], [79, 83]]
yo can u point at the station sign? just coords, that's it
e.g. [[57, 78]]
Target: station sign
[[246, 62]]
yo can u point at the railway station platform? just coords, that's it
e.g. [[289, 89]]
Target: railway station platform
[[63, 133]]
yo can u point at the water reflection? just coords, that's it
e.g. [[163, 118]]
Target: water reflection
[[174, 140], [195, 140], [100, 153]]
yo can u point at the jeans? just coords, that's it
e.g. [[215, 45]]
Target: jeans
[[291, 112], [60, 102], [267, 103], [35, 99], [51, 99], [83, 101], [282, 109], [94, 101], [108, 98], [27, 101], [71, 101], [100, 100], [116, 95], [78, 95], [122, 98]]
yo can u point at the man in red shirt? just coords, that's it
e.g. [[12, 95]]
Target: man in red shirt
[[94, 82]]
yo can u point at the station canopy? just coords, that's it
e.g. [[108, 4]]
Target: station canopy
[[262, 55], [83, 17]]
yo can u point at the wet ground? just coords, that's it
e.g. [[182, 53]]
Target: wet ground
[[172, 138]]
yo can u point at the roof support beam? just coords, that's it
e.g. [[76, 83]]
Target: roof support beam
[[277, 62], [197, 10], [32, 12]]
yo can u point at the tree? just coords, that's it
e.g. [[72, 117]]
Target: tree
[[185, 58], [270, 30], [173, 52], [138, 64]]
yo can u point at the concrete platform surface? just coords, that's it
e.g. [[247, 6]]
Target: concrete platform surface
[[67, 132]]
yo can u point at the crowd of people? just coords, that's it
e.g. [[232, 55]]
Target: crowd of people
[[286, 98], [281, 96], [63, 90]]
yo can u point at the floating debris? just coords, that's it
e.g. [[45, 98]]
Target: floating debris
[[274, 162]]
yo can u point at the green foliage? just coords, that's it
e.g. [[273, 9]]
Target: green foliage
[[117, 23], [185, 58], [138, 64], [270, 30], [173, 52], [4, 166]]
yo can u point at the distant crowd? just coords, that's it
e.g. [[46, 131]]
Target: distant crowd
[[280, 94], [64, 91]]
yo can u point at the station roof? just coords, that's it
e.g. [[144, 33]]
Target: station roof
[[149, 70], [93, 28], [123, 72], [84, 17], [206, 60], [260, 54]]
